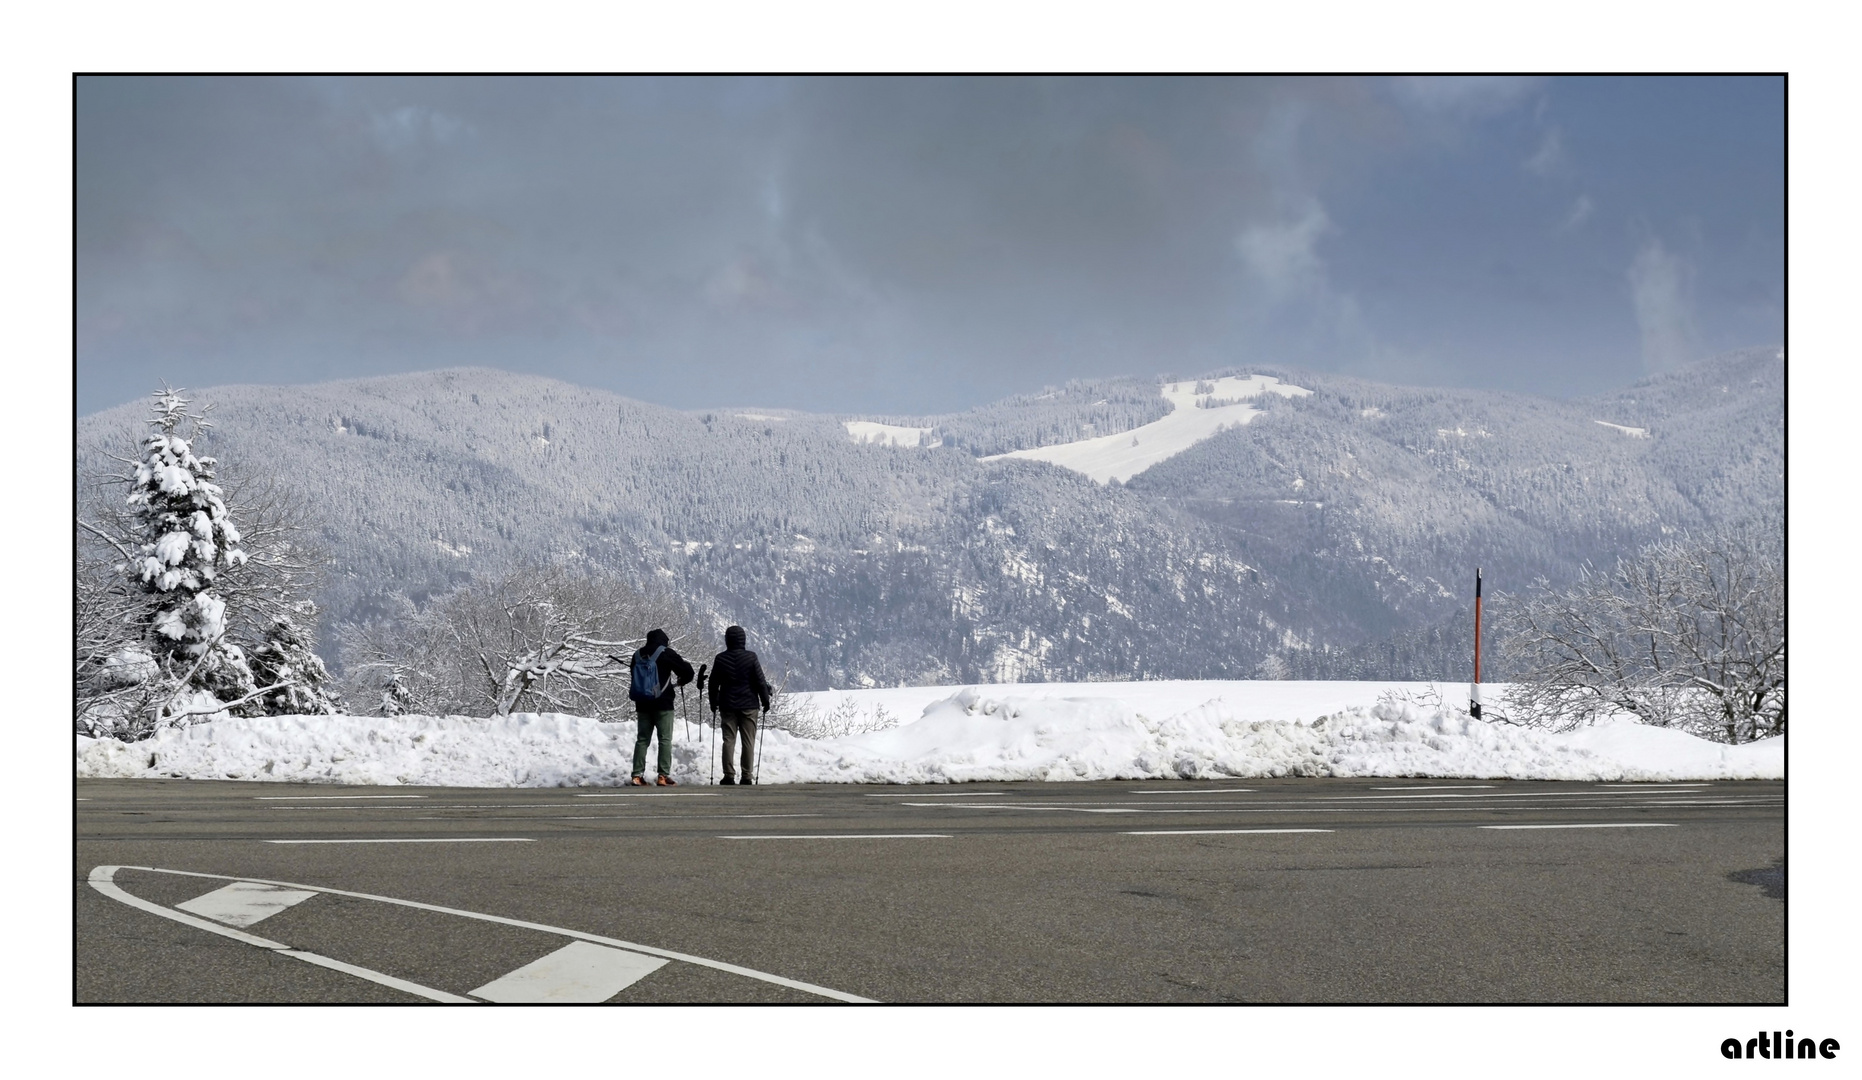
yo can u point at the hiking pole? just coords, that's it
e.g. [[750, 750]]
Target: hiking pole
[[757, 771], [701, 718]]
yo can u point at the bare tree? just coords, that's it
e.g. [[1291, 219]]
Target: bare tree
[[538, 637], [115, 679], [1689, 633]]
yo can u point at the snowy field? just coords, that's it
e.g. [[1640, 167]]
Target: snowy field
[[869, 431], [1042, 731], [1123, 456]]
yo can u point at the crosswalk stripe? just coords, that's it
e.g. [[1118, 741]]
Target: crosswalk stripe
[[578, 973], [244, 902]]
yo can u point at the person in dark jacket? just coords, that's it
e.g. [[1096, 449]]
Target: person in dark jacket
[[656, 713], [737, 689]]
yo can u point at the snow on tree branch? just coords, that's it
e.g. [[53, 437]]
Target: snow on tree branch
[[1689, 633]]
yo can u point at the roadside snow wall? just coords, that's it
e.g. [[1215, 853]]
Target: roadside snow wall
[[994, 734]]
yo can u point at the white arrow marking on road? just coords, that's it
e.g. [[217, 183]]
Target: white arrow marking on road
[[577, 973], [244, 902], [100, 880]]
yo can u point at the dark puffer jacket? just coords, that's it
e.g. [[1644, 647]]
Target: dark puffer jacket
[[673, 672], [737, 680]]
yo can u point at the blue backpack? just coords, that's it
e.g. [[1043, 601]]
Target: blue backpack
[[646, 685]]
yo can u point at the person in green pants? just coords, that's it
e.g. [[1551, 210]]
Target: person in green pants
[[657, 671]]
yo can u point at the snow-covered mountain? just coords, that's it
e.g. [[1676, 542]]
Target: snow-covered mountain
[[1320, 524]]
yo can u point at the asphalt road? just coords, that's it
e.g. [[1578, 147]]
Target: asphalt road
[[1294, 890]]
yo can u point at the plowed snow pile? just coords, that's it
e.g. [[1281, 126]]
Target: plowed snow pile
[[1080, 731]]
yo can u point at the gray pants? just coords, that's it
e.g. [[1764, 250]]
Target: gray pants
[[651, 722], [731, 721]]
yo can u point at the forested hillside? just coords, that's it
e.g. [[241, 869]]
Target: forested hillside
[[1331, 530]]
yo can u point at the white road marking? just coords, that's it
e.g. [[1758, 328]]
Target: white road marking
[[1654, 785], [1077, 809], [1712, 802], [577, 973], [1494, 795], [1435, 787], [848, 836], [243, 903], [422, 840], [649, 795], [1215, 832], [1566, 808], [109, 889], [102, 877], [679, 817], [937, 795], [1590, 825], [1062, 809], [429, 807], [1208, 791], [308, 798], [378, 977]]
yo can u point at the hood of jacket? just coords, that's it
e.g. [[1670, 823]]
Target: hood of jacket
[[655, 638], [734, 637]]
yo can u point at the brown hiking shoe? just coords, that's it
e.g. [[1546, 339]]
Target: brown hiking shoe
[[638, 781], [667, 781]]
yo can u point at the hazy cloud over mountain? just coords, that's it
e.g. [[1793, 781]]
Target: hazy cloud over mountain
[[914, 246]]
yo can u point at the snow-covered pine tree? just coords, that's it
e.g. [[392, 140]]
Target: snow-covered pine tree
[[287, 660], [183, 538], [396, 698]]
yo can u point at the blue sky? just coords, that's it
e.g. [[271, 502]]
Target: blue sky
[[916, 246]]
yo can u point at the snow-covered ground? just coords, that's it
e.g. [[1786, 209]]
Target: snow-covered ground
[[1044, 731], [1123, 456], [870, 431]]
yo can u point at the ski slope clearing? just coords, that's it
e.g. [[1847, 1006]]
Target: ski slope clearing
[[869, 431], [1123, 456], [1046, 731]]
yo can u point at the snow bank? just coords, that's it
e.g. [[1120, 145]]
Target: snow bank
[[1079, 731]]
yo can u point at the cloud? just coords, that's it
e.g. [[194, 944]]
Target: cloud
[[797, 232], [1580, 213], [1282, 256], [745, 282], [1549, 157], [467, 294], [1465, 97], [412, 127], [1659, 284]]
